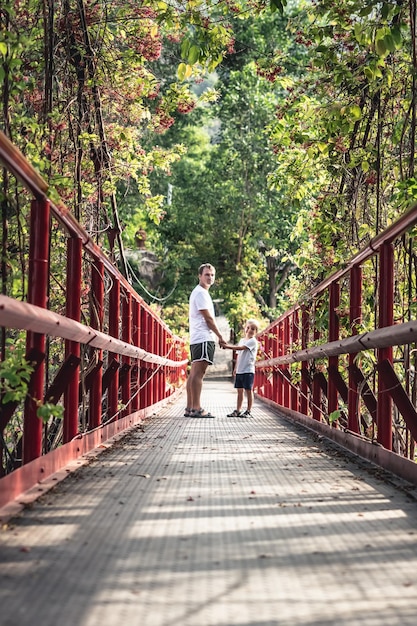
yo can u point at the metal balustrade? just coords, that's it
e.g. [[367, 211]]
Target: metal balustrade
[[96, 348], [345, 356]]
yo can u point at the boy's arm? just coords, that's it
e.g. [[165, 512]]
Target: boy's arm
[[236, 347]]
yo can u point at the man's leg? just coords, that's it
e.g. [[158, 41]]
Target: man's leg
[[195, 384]]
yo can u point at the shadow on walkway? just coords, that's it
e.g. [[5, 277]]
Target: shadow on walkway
[[215, 522]]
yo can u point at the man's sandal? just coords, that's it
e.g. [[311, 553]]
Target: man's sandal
[[187, 412], [234, 413], [200, 413]]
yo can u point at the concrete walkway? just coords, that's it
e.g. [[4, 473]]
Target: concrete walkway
[[215, 522]]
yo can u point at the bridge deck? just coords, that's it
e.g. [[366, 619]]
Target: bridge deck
[[218, 522]]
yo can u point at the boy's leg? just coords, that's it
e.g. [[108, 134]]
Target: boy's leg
[[239, 399], [249, 397]]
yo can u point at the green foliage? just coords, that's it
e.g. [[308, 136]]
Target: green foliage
[[334, 416], [273, 139], [15, 372], [46, 411]]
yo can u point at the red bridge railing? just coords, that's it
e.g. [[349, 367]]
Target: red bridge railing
[[344, 359], [95, 348]]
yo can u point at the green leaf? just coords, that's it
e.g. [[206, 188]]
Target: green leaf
[[365, 166], [385, 10], [334, 416], [278, 5], [355, 111], [3, 48], [193, 54], [381, 47], [368, 73], [396, 35], [389, 42], [9, 396], [185, 46], [366, 11], [181, 71]]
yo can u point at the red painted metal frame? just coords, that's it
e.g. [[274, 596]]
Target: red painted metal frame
[[114, 316], [322, 393], [334, 302], [355, 319], [386, 318], [73, 287], [137, 338], [126, 336], [38, 295]]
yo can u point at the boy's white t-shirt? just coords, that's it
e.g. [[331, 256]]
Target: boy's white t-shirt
[[199, 331], [245, 363]]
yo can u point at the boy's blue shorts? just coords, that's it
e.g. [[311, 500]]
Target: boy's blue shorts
[[244, 381]]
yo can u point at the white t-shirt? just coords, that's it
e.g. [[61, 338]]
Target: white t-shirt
[[245, 363], [199, 331]]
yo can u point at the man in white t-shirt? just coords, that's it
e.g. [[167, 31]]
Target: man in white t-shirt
[[203, 329]]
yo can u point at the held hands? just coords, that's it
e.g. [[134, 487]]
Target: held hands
[[222, 342]]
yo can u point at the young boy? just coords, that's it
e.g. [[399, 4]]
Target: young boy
[[244, 371]]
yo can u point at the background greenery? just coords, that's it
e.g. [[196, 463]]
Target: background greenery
[[272, 140]]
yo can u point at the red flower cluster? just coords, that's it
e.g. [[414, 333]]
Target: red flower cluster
[[186, 106], [149, 47], [269, 73], [165, 121], [302, 40]]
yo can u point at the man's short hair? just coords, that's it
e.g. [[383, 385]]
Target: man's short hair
[[204, 266]]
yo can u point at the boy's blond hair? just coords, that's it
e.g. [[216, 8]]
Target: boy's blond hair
[[252, 323]]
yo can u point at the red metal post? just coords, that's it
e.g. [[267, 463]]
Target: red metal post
[[305, 329], [165, 371], [136, 342], [295, 337], [334, 302], [114, 320], [158, 375], [286, 372], [96, 391], [127, 337], [355, 318], [265, 383], [37, 294], [316, 399], [144, 366], [73, 311], [153, 387], [272, 375], [386, 318], [279, 397]]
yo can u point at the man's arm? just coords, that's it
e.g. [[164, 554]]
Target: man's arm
[[212, 325]]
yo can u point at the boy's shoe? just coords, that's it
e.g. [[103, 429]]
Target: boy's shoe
[[246, 414], [234, 413]]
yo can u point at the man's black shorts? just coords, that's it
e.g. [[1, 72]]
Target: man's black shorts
[[203, 351], [244, 381]]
